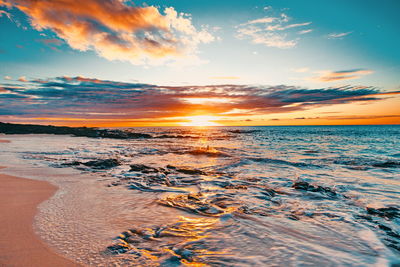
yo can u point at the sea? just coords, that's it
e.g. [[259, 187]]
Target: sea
[[219, 196]]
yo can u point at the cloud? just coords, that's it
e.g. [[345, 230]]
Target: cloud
[[338, 35], [85, 99], [333, 76], [225, 77], [51, 41], [304, 31], [117, 30], [22, 79], [5, 13], [270, 31], [361, 117], [7, 77]]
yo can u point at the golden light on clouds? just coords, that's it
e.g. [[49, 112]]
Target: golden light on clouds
[[204, 100], [200, 121]]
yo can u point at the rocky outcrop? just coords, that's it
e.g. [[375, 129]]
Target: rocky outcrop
[[10, 128]]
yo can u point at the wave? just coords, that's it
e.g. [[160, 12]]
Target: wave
[[364, 163], [244, 131], [186, 242], [206, 151]]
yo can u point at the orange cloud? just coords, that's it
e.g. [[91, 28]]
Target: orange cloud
[[79, 101], [333, 76], [116, 30], [22, 79], [90, 98]]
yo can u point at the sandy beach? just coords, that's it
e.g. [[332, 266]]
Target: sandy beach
[[19, 245]]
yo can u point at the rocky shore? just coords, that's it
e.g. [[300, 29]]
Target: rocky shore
[[10, 128]]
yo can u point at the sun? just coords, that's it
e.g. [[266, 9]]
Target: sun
[[201, 121]]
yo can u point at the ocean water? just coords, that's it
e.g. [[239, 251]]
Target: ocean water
[[220, 196]]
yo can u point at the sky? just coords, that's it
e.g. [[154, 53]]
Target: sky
[[115, 63]]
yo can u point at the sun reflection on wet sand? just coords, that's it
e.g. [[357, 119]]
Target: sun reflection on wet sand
[[184, 241]]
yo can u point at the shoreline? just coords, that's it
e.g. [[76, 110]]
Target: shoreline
[[84, 219], [19, 244]]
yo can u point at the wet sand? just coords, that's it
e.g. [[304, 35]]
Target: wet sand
[[19, 245]]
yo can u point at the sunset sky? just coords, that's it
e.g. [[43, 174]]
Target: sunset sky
[[167, 63]]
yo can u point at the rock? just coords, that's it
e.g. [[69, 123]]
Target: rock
[[389, 213], [11, 128], [142, 168], [171, 167], [133, 240], [102, 163], [303, 185], [74, 163], [387, 164], [118, 248], [186, 171]]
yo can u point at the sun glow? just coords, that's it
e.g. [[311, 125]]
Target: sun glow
[[200, 121], [204, 100]]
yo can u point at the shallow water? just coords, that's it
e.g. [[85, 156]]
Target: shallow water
[[233, 196]]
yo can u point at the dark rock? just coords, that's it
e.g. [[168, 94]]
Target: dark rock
[[171, 167], [102, 163], [387, 164], [191, 171], [118, 248], [10, 128], [133, 240], [74, 163], [303, 185], [389, 213], [142, 168], [186, 171]]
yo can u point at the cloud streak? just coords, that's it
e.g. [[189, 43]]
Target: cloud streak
[[333, 76], [118, 31], [80, 98], [339, 35]]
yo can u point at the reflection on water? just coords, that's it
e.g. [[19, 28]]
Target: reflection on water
[[186, 241], [244, 196]]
